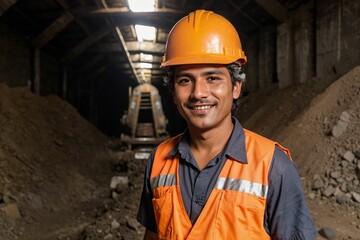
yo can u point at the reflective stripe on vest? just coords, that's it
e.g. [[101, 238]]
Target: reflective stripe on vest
[[163, 181], [242, 186], [221, 184]]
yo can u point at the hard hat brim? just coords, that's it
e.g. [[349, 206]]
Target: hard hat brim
[[208, 59]]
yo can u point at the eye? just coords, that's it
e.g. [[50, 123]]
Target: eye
[[212, 78], [183, 81]]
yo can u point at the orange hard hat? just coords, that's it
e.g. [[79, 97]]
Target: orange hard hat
[[203, 37]]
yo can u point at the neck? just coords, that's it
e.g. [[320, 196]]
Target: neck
[[206, 144], [210, 138]]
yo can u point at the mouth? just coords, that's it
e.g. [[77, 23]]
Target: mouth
[[202, 107]]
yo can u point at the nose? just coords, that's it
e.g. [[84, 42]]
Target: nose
[[200, 89]]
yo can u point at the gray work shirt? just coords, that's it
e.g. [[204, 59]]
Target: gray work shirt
[[286, 213]]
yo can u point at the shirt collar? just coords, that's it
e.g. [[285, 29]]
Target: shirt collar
[[235, 148], [182, 147]]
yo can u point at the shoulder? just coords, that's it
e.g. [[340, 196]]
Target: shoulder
[[282, 165], [258, 147], [168, 145], [287, 214], [252, 135], [259, 142]]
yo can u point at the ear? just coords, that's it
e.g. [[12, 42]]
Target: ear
[[237, 89]]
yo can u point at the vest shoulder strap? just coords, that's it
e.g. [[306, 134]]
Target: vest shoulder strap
[[161, 153]]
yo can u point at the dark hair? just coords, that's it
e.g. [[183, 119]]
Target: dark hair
[[236, 74]]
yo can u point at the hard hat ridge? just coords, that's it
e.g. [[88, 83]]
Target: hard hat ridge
[[195, 18]]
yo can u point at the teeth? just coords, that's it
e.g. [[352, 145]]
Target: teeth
[[202, 107]]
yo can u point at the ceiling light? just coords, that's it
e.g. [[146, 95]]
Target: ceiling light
[[141, 5], [145, 33], [146, 57], [145, 65]]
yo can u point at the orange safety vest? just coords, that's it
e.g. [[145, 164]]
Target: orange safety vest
[[236, 206]]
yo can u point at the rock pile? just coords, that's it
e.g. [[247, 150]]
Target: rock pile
[[340, 180], [325, 145], [54, 164], [117, 218], [341, 124]]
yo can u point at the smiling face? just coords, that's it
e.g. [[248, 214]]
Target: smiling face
[[204, 94]]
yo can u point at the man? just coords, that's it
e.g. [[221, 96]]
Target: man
[[217, 180]]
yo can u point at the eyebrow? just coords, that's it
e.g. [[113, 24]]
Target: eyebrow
[[206, 73]]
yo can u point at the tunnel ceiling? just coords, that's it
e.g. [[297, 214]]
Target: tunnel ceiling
[[98, 36]]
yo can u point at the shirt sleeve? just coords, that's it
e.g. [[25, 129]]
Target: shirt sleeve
[[145, 214], [287, 215]]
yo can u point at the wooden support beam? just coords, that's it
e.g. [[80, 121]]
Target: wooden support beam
[[5, 5], [238, 8], [146, 47], [144, 70], [64, 82], [158, 72], [81, 47], [161, 18], [37, 71], [154, 65], [65, 5], [118, 35], [52, 30], [137, 58], [124, 48], [122, 12], [134, 47], [275, 9]]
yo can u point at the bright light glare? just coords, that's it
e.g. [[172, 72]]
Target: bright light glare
[[146, 57], [145, 65], [145, 33], [141, 5]]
